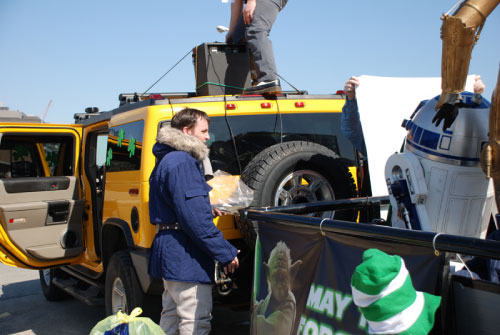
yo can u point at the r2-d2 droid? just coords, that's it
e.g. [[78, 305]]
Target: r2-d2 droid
[[437, 183]]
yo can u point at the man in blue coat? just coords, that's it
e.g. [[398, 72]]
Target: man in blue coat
[[187, 243]]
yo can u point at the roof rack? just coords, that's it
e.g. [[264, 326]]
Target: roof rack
[[128, 98], [131, 101], [90, 113]]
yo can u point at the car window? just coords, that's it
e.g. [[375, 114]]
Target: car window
[[102, 142], [254, 133], [125, 147], [321, 128], [36, 155]]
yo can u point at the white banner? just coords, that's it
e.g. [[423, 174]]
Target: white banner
[[384, 102]]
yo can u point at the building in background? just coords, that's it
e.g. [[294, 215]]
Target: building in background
[[8, 115]]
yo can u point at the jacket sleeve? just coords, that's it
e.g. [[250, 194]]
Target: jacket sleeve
[[350, 125], [189, 190]]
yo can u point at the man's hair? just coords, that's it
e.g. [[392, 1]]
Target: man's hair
[[187, 118]]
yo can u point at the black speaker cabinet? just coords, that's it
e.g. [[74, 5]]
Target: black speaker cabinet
[[221, 68]]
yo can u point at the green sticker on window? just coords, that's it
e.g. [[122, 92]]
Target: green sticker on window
[[121, 136], [131, 147], [109, 157]]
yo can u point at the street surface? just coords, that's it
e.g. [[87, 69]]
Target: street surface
[[25, 311]]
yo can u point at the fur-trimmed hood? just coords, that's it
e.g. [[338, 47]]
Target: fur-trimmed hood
[[177, 140]]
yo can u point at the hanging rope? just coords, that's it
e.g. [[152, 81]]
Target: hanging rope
[[156, 82], [289, 84], [208, 82]]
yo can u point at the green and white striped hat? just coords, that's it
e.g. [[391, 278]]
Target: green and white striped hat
[[383, 290]]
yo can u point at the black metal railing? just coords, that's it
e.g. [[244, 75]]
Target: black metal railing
[[438, 241]]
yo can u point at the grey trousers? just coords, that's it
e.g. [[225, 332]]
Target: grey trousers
[[257, 36], [187, 308]]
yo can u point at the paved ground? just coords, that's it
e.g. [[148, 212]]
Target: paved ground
[[24, 310]]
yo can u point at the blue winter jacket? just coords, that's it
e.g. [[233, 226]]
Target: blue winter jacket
[[179, 193]]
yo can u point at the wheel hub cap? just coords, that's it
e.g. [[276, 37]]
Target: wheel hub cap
[[118, 297], [303, 186], [46, 276]]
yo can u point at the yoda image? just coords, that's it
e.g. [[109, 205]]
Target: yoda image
[[276, 313]]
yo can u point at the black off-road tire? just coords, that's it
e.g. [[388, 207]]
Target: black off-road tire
[[272, 166], [121, 279], [51, 291]]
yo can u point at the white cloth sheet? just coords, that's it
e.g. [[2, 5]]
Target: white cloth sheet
[[384, 102]]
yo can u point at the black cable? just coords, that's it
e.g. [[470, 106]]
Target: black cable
[[226, 119], [281, 120], [211, 61], [156, 82], [232, 136]]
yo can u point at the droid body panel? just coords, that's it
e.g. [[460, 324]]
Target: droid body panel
[[437, 183]]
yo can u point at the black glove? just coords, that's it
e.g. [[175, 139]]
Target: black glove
[[448, 112]]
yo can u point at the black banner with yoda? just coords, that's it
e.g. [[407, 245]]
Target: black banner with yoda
[[302, 280]]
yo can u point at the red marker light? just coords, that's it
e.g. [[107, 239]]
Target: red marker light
[[156, 97], [265, 105], [300, 104], [340, 92], [231, 106], [133, 191], [17, 220]]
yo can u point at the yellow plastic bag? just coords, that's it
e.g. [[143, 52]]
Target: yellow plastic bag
[[123, 324], [229, 193]]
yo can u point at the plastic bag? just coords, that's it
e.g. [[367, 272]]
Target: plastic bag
[[229, 193], [123, 324]]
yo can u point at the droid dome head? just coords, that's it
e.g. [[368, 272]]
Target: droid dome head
[[461, 144]]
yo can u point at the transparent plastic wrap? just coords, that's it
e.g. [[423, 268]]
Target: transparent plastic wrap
[[229, 193], [123, 324]]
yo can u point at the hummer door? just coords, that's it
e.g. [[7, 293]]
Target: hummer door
[[40, 206]]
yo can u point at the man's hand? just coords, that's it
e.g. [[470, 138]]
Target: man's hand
[[478, 85], [217, 212], [233, 265], [447, 112], [248, 11], [350, 87]]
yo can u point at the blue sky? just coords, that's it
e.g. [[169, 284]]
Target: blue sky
[[85, 53]]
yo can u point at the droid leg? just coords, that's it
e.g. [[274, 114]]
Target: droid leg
[[408, 191]]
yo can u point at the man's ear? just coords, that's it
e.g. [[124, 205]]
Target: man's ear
[[267, 271], [186, 130], [294, 269]]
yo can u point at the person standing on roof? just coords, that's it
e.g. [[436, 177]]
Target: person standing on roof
[[255, 21], [187, 243]]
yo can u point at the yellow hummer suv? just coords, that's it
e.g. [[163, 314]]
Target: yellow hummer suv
[[74, 197]]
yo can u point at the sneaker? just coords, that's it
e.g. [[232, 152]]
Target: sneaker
[[271, 87]]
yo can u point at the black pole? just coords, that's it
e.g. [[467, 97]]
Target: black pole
[[438, 241]]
